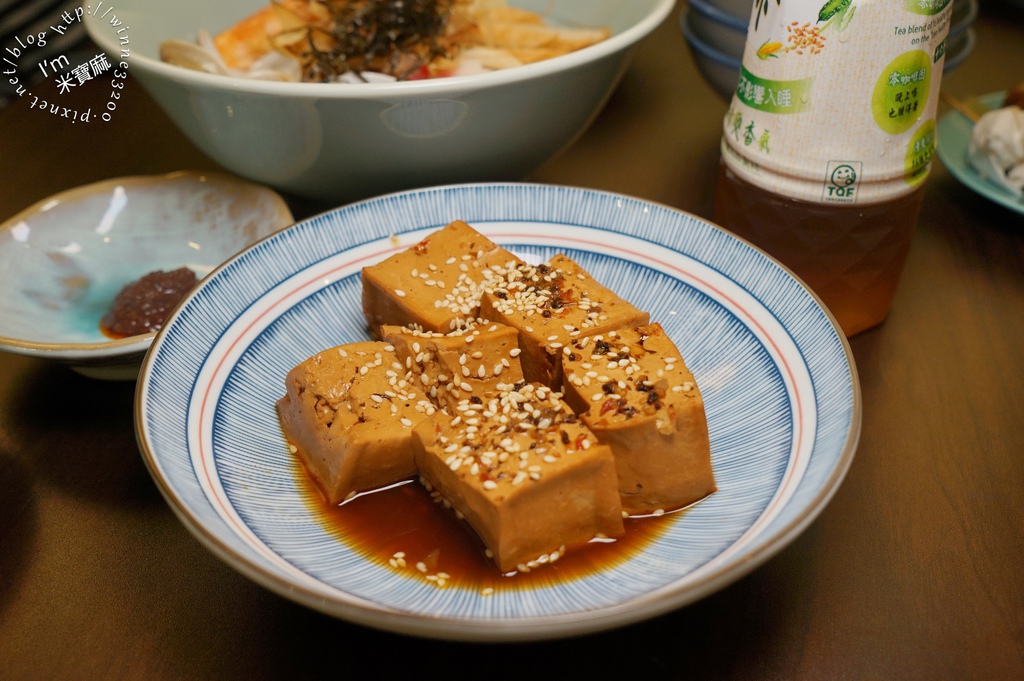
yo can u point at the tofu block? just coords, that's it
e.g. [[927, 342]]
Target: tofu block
[[349, 412], [632, 388], [551, 305], [435, 285], [453, 367], [529, 478]]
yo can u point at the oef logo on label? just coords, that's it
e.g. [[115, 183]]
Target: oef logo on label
[[842, 179]]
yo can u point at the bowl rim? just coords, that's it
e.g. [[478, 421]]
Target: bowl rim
[[967, 19], [964, 45], [704, 49], [613, 44], [718, 15], [131, 344]]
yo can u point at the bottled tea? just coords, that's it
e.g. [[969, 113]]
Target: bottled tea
[[828, 141]]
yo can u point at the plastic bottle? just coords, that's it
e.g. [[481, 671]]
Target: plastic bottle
[[828, 141]]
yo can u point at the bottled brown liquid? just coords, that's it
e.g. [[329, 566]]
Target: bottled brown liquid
[[850, 255], [828, 140]]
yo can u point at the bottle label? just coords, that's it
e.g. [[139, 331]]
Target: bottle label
[[836, 101]]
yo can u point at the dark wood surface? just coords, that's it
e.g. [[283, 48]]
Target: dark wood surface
[[914, 571]]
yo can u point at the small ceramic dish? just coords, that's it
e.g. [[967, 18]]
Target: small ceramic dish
[[65, 259]]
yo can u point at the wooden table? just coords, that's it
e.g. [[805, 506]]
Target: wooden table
[[914, 571]]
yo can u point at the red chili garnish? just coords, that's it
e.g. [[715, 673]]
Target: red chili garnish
[[422, 73], [609, 405], [421, 247], [578, 442]]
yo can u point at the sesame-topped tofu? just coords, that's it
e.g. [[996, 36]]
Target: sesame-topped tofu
[[435, 284], [348, 413], [474, 361], [529, 478], [551, 305], [633, 390]]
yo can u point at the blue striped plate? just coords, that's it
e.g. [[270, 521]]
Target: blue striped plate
[[778, 379]]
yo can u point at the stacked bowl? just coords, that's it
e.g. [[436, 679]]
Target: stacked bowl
[[716, 31]]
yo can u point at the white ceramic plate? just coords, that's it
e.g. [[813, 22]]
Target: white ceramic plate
[[954, 139], [778, 379]]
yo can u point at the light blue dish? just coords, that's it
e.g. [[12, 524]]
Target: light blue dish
[[778, 379], [954, 138], [65, 258]]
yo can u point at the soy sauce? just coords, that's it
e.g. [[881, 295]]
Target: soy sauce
[[400, 526]]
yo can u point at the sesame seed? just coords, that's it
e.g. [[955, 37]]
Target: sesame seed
[[400, 293]]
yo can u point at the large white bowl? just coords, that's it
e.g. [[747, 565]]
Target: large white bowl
[[338, 142]]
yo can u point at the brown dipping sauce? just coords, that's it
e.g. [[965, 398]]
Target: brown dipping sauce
[[404, 519], [143, 305]]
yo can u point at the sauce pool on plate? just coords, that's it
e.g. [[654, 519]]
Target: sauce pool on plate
[[402, 528]]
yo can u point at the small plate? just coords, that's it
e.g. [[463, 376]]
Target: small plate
[[65, 258], [777, 376], [954, 137]]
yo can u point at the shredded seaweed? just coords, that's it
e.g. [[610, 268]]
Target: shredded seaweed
[[396, 37]]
